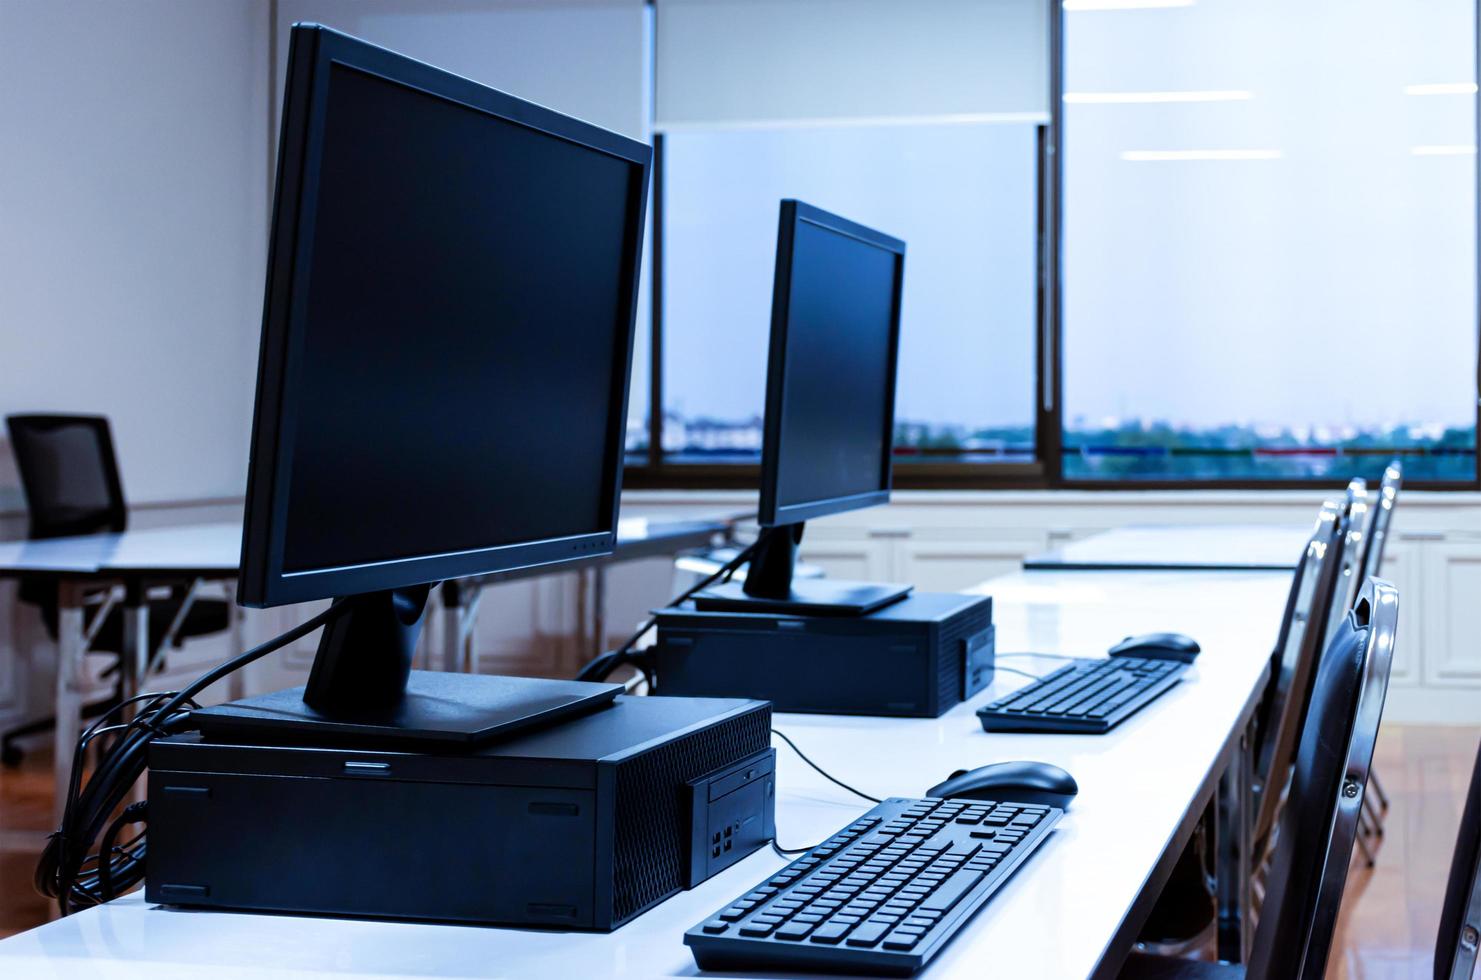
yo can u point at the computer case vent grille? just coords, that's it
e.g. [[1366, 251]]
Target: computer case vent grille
[[649, 853]]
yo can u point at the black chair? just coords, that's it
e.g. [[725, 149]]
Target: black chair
[[1185, 912], [70, 478], [1319, 825], [1460, 917], [1381, 514]]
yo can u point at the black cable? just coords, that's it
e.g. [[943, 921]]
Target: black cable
[[822, 772], [68, 870], [602, 666]]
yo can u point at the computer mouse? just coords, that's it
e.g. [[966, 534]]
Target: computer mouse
[[1011, 782], [1158, 646]]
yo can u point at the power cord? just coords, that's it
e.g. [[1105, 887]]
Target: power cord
[[789, 851], [602, 667], [69, 871]]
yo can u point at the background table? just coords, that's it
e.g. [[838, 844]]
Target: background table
[[1072, 911], [1173, 547], [138, 560]]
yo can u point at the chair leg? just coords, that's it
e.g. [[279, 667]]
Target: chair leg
[[1376, 789], [1368, 857], [1372, 814]]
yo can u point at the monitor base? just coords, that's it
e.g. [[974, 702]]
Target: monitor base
[[806, 597], [439, 711]]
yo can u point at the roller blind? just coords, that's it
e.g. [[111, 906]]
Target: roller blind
[[586, 58], [778, 61]]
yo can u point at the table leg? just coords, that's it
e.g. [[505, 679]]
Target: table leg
[[1233, 855], [598, 610], [71, 650], [236, 682], [581, 642], [135, 654], [452, 624]]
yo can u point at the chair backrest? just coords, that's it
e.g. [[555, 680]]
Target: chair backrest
[[1460, 918], [1350, 573], [69, 474], [1320, 823], [1380, 513], [1297, 647]]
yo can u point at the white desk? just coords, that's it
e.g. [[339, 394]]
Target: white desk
[[1172, 547], [1072, 911]]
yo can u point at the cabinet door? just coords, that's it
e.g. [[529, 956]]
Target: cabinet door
[[861, 559], [1403, 565], [1452, 643], [952, 566]]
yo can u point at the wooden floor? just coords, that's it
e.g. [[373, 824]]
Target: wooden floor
[[1389, 915]]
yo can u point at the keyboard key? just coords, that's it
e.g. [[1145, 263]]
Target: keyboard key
[[901, 940], [951, 891], [830, 932], [794, 930], [715, 926], [868, 934]]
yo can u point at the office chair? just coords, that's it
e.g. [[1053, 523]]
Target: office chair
[[1319, 826], [71, 482], [1184, 914], [1380, 515], [1460, 917]]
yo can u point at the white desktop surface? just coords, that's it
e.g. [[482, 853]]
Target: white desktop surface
[[1053, 920], [1223, 547]]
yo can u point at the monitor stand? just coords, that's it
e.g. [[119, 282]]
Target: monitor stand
[[770, 588], [362, 691]]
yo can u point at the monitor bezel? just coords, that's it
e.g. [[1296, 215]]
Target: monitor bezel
[[263, 580], [771, 512]]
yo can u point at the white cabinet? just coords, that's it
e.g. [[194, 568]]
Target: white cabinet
[[951, 566], [1450, 604], [1403, 566]]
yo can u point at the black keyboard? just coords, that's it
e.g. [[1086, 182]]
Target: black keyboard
[[883, 895], [1091, 696]]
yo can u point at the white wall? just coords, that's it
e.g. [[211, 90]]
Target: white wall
[[133, 204]]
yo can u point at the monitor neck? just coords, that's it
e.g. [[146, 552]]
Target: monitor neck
[[772, 564], [365, 655]]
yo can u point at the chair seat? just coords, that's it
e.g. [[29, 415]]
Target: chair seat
[[1142, 966], [206, 616]]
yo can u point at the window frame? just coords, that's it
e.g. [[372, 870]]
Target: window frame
[[651, 469]]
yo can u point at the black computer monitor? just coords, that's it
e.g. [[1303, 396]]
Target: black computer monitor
[[446, 345], [830, 404]]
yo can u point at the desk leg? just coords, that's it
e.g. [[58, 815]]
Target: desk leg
[[580, 642], [598, 610], [71, 649], [135, 659], [452, 624], [236, 682], [459, 617], [1233, 856]]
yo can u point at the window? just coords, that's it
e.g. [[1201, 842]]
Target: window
[[964, 199], [1182, 261], [1269, 241]]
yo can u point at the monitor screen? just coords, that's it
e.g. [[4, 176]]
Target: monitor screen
[[460, 332], [837, 364]]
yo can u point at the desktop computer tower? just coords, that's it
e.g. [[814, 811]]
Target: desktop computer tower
[[917, 657], [581, 825]]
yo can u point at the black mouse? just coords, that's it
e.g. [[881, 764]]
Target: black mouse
[[1158, 646], [1011, 782]]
